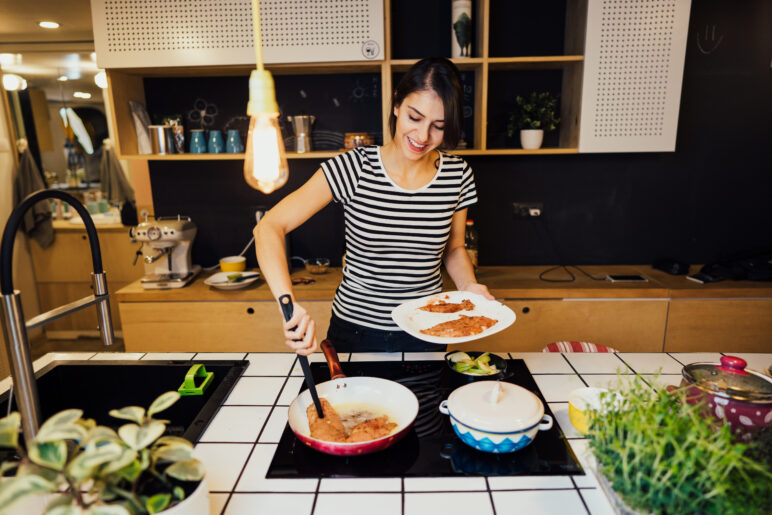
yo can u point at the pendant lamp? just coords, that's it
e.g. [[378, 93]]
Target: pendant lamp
[[265, 163]]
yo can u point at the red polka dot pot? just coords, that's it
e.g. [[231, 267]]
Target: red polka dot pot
[[741, 397]]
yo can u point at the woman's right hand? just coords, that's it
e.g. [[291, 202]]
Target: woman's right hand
[[300, 332]]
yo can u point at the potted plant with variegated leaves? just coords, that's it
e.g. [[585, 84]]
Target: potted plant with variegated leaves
[[73, 466]]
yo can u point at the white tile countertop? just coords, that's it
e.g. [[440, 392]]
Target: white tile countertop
[[239, 444]]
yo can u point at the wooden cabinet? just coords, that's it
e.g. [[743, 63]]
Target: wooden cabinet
[[63, 274], [735, 325], [666, 313], [629, 325], [203, 319], [213, 326]]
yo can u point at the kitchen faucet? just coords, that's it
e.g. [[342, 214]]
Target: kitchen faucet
[[16, 328]]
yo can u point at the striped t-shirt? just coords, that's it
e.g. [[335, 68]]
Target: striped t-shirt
[[395, 238]]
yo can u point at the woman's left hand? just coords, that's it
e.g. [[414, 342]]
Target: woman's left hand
[[479, 289]]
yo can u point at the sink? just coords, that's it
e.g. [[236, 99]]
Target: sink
[[96, 387]]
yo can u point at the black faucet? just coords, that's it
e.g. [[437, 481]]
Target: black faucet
[[13, 317]]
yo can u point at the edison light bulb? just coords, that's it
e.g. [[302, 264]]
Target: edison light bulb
[[265, 163]]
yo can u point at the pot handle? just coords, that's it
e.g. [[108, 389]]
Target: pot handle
[[546, 423], [333, 362], [444, 408]]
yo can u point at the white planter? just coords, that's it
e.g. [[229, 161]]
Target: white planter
[[531, 139], [196, 504]]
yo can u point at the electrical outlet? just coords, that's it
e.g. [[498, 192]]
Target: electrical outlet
[[528, 209]]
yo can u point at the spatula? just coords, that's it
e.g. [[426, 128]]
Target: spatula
[[285, 301]]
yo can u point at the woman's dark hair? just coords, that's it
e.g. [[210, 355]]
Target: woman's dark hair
[[441, 76]]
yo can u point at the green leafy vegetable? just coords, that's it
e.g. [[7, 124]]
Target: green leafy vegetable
[[464, 363], [662, 456]]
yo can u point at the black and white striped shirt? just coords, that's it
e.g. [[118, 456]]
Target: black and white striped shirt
[[395, 238]]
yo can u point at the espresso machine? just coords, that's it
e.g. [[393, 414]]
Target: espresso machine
[[301, 125], [166, 246]]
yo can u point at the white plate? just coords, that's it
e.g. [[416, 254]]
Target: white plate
[[411, 319], [220, 280]]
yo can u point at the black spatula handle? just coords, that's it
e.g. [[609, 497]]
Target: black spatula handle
[[285, 301]]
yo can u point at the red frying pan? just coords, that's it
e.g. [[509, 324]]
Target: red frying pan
[[380, 396]]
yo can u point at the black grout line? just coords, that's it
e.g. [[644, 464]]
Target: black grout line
[[402, 482], [576, 488], [490, 494], [572, 368], [316, 494], [227, 501]]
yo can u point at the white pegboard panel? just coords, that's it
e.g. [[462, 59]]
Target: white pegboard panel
[[633, 69], [163, 33]]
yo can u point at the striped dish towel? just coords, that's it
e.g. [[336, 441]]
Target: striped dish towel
[[577, 347]]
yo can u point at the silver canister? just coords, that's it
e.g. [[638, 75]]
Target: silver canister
[[301, 125], [161, 139]]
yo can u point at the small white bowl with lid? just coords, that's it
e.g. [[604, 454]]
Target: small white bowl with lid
[[495, 416]]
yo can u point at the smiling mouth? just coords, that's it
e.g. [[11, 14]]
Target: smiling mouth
[[415, 146]]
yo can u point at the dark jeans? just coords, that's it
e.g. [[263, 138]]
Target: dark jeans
[[348, 337]]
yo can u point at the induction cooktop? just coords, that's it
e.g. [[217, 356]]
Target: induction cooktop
[[431, 448]]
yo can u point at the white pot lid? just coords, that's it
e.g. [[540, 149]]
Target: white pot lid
[[495, 406]]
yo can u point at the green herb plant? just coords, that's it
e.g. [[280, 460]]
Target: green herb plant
[[536, 111], [94, 470], [661, 455]]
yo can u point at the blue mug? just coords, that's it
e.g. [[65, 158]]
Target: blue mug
[[197, 141], [216, 144], [233, 145]]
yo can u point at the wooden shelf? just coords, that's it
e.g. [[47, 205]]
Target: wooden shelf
[[246, 69], [466, 63], [128, 84], [533, 63], [516, 151], [223, 157], [332, 153]]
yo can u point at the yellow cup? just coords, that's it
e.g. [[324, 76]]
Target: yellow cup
[[579, 402], [233, 264]]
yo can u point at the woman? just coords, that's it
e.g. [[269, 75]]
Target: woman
[[405, 207]]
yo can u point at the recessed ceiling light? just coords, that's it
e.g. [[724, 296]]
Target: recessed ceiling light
[[81, 94], [49, 24], [62, 78], [93, 56]]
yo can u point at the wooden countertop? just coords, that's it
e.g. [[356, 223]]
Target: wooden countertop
[[505, 282]]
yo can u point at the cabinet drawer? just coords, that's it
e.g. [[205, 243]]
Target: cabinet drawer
[[735, 325], [626, 325], [211, 326]]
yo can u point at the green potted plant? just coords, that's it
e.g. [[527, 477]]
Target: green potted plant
[[656, 453], [532, 116], [74, 466]]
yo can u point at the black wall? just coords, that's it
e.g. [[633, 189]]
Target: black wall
[[709, 198]]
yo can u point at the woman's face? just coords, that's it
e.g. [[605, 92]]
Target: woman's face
[[420, 124]]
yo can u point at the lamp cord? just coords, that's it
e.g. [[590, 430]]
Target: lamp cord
[[258, 36], [554, 246]]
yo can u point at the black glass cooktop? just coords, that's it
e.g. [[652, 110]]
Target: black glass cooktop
[[431, 448]]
